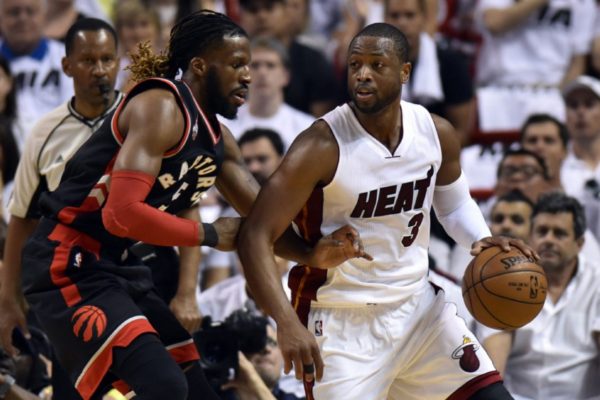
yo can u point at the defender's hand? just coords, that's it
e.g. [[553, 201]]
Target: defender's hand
[[505, 243], [185, 309], [341, 245], [227, 230]]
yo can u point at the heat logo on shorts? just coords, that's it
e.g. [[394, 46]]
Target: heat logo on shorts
[[465, 353], [89, 322]]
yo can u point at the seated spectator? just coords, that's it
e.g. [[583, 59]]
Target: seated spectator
[[440, 78], [593, 64], [582, 97], [511, 216], [547, 137], [260, 373], [312, 87], [556, 355], [9, 151], [529, 50], [61, 14], [262, 151], [35, 62], [266, 108], [135, 23]]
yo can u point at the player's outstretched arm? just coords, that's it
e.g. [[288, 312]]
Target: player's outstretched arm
[[152, 123], [311, 161], [456, 210], [184, 305], [240, 189]]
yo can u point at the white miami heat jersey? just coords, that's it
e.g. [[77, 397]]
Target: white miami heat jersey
[[386, 196]]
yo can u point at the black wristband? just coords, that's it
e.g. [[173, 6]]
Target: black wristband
[[211, 238]]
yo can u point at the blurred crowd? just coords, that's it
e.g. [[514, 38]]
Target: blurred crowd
[[519, 81]]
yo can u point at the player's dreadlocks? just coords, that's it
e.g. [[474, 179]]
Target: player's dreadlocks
[[190, 37]]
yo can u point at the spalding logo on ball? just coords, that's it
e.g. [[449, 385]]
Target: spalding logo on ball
[[504, 289]]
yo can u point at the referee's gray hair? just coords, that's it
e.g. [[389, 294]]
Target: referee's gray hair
[[265, 42]]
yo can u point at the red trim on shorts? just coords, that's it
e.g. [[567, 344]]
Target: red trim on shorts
[[304, 281], [94, 200], [96, 368], [184, 352], [471, 387], [68, 237], [121, 386]]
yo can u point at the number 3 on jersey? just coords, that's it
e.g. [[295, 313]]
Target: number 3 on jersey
[[415, 222]]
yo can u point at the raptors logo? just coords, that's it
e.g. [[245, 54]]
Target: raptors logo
[[89, 322], [465, 353]]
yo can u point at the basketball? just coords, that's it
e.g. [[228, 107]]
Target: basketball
[[504, 290]]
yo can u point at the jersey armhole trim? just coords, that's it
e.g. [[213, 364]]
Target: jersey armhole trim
[[213, 135], [186, 130]]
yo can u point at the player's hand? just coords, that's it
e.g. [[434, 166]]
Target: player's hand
[[505, 243], [12, 314], [341, 245], [299, 348], [185, 309], [227, 229]]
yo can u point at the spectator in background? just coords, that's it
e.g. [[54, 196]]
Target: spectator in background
[[259, 375], [266, 108], [167, 14], [523, 170], [35, 62], [511, 216], [530, 48], [135, 23], [440, 78], [556, 355], [593, 65], [60, 15], [582, 98], [262, 151], [547, 137], [312, 87], [9, 152]]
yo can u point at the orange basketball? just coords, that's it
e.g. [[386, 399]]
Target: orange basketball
[[504, 290]]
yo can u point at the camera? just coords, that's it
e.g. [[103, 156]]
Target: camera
[[219, 342]]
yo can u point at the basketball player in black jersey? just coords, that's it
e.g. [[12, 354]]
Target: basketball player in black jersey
[[148, 163]]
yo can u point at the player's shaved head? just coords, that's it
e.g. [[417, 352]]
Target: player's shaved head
[[386, 31]]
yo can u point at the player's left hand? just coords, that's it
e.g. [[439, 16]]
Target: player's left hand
[[185, 309], [505, 243], [341, 245]]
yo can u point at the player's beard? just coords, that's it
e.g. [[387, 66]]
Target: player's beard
[[377, 106], [218, 101]]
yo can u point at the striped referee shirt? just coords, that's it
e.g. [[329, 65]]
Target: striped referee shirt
[[55, 138]]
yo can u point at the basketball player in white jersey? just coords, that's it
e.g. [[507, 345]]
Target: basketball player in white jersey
[[378, 164]]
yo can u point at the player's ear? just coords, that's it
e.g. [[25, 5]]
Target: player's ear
[[66, 66], [198, 66], [405, 72]]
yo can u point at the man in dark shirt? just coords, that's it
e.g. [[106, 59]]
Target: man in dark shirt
[[312, 87]]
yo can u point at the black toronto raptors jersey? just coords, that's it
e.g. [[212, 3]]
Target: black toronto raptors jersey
[[188, 169]]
